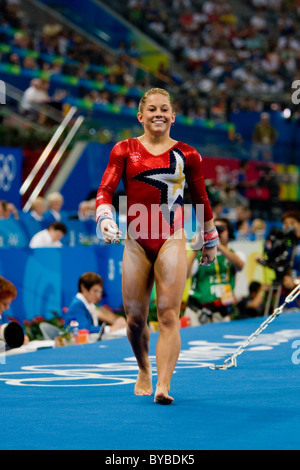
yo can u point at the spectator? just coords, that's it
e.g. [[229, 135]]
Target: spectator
[[258, 229], [49, 237], [212, 292], [8, 210], [8, 293], [33, 96], [38, 208], [264, 137], [54, 204], [84, 307], [242, 230], [52, 29], [86, 210], [291, 221], [10, 330], [253, 305]]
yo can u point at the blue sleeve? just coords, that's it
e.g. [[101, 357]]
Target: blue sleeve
[[77, 311]]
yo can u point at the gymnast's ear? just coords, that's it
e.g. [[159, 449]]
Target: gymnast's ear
[[140, 118]]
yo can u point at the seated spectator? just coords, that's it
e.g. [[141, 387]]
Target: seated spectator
[[49, 237], [253, 305], [52, 28], [86, 210], [54, 204], [242, 230], [84, 308], [291, 223], [10, 330], [34, 95], [8, 293], [242, 216], [7, 210], [258, 229], [264, 138], [38, 209]]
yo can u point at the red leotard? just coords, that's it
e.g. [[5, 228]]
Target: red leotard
[[154, 186]]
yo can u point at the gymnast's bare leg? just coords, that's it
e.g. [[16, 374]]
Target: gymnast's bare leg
[[137, 284], [170, 270]]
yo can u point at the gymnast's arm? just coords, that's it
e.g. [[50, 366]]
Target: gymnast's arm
[[106, 190], [196, 184]]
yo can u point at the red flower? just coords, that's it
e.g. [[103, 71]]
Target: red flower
[[38, 319]]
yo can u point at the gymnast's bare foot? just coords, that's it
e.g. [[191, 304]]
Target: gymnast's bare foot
[[143, 386], [162, 396]]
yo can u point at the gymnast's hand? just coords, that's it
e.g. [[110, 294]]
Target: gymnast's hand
[[208, 256], [110, 231]]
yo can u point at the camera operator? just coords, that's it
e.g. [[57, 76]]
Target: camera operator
[[11, 333], [291, 222], [211, 297]]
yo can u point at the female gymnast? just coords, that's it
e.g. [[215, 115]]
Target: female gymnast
[[154, 168]]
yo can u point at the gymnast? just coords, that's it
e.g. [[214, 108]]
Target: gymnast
[[154, 168]]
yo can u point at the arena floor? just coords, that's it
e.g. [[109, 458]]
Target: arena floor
[[81, 397]]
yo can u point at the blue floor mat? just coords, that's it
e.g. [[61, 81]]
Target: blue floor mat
[[81, 397]]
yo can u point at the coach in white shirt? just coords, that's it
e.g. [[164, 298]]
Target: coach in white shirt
[[50, 237]]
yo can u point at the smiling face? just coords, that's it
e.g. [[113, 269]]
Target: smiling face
[[156, 113]]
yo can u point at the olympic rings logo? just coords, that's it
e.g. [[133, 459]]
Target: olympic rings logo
[[8, 171], [201, 354]]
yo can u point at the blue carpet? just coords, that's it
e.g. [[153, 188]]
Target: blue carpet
[[81, 397]]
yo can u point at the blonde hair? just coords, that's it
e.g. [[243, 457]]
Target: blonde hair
[[54, 197], [153, 91]]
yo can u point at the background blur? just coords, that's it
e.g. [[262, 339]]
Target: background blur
[[72, 74]]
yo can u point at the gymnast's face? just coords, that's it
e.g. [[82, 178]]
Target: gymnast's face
[[157, 115]]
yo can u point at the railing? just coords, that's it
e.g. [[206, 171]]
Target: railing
[[54, 162], [15, 96], [45, 154]]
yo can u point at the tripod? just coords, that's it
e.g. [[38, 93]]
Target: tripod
[[275, 289]]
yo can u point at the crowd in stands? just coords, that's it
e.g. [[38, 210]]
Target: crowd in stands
[[58, 50], [231, 59], [237, 58]]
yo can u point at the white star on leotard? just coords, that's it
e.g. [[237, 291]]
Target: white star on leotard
[[170, 181]]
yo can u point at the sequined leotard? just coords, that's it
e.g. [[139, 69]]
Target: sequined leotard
[[154, 186]]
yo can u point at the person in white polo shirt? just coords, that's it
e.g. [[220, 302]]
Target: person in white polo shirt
[[49, 237]]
